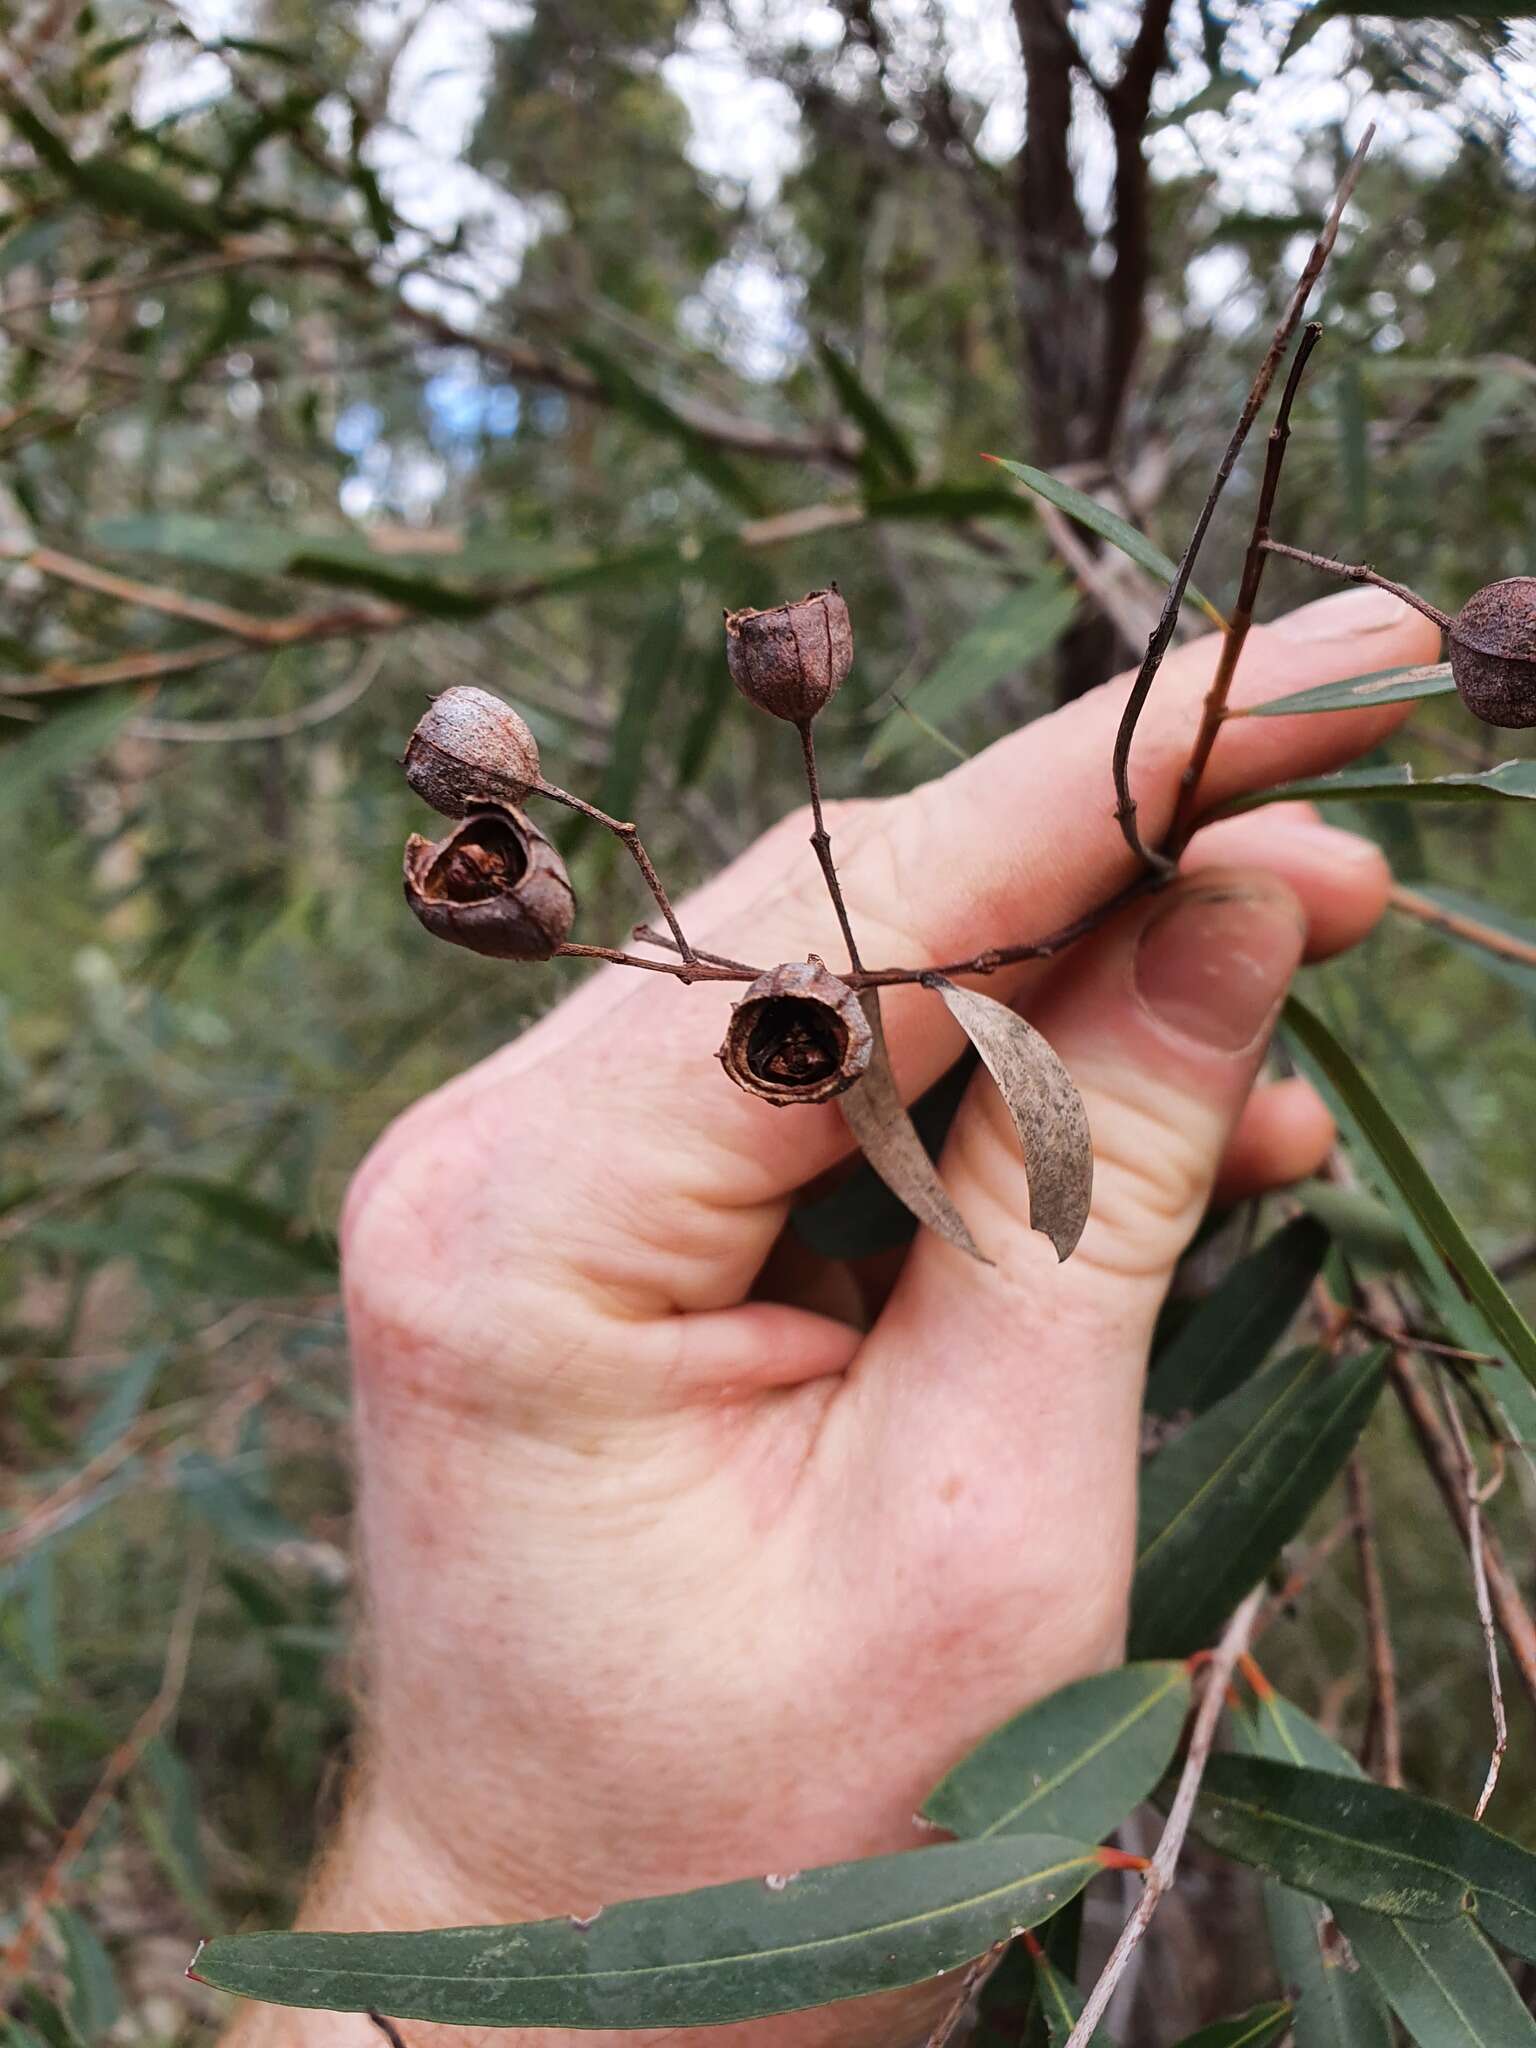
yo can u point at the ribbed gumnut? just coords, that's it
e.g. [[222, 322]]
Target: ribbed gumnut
[[797, 1035], [495, 885], [471, 749], [790, 660], [1493, 652]]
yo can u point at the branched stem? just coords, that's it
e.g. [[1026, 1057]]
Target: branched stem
[[1165, 1860], [1357, 572], [623, 831], [1384, 1736], [823, 844], [1236, 635], [1162, 633]]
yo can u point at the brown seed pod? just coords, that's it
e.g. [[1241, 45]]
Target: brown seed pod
[[1493, 652], [790, 660], [495, 885], [797, 1035], [471, 749]]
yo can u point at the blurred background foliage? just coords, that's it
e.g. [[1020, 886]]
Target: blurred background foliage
[[378, 347]]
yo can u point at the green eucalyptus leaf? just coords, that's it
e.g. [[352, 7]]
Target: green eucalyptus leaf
[[1353, 1842], [728, 1953], [1516, 972], [1075, 1763], [1510, 781], [1442, 1979], [1382, 686], [1218, 1503], [1255, 2029], [65, 740], [1025, 624], [1446, 1251], [888, 456], [1231, 1333], [1107, 525]]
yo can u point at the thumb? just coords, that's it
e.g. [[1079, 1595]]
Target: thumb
[[1164, 1026]]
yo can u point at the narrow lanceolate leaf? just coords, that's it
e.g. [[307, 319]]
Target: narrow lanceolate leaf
[[1448, 1254], [888, 456], [1043, 1101], [704, 1958], [1060, 2004], [1335, 2004], [1255, 2029], [1075, 1764], [861, 1216], [1442, 1980], [1510, 781], [1356, 1843], [875, 1113], [1218, 1504], [1382, 686], [1107, 525], [1233, 1331], [1014, 632]]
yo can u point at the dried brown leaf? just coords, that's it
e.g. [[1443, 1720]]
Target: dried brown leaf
[[1043, 1101], [875, 1113]]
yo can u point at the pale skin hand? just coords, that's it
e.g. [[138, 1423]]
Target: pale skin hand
[[675, 1574]]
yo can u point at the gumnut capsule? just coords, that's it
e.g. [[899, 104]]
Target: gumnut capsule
[[495, 885], [1493, 652], [797, 1035], [790, 660], [471, 749]]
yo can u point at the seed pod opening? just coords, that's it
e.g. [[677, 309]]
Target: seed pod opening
[[1493, 652], [797, 1035], [471, 749], [495, 885], [791, 659]]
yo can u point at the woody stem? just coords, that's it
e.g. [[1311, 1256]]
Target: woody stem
[[823, 843], [630, 838], [1357, 572]]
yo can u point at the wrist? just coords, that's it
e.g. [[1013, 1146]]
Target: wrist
[[378, 1875]]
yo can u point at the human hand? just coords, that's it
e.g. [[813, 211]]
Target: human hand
[[677, 1572]]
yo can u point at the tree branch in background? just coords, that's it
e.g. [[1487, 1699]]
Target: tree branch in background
[[1477, 1495], [1383, 1747], [1127, 103], [1460, 926]]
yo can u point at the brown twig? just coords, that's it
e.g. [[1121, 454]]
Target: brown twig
[[1476, 1496], [387, 2028], [1460, 926], [1383, 1736], [822, 843], [282, 725], [1165, 1861], [1157, 646], [1241, 618], [124, 1759], [1358, 572]]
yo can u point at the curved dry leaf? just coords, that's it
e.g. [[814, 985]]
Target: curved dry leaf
[[1043, 1101], [875, 1113]]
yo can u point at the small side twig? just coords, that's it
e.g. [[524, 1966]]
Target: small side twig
[[1476, 1497], [1165, 1860], [1459, 926], [387, 2028], [1383, 1735], [1241, 619], [1358, 572], [1162, 634]]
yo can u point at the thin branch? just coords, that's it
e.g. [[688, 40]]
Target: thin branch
[[629, 838], [1476, 1496], [1157, 646], [1165, 1860], [1126, 103], [1460, 926], [1358, 572], [1241, 619], [282, 725], [123, 1760], [1384, 1734], [822, 843], [387, 2028]]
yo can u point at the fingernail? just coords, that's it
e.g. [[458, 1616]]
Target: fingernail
[[1214, 963], [1365, 609]]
